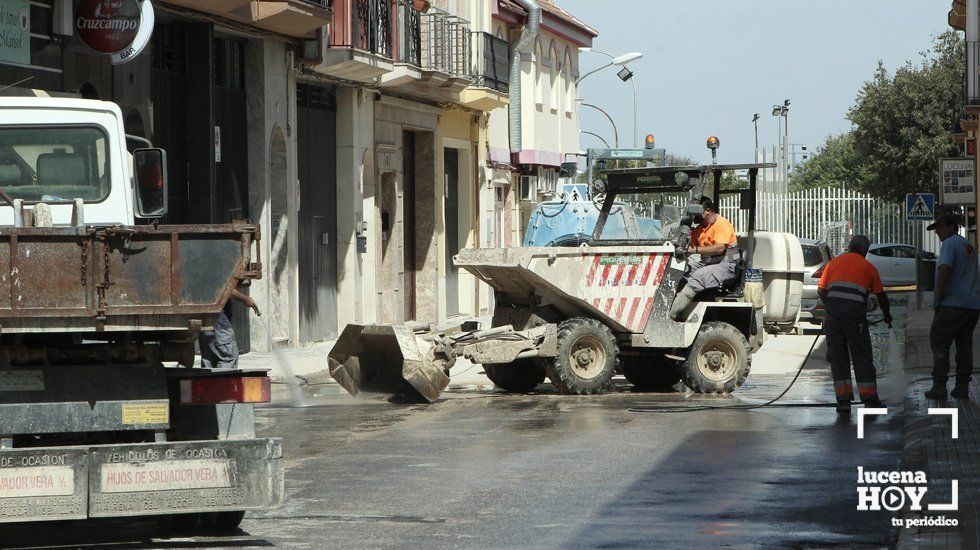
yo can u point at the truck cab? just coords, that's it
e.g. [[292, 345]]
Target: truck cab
[[71, 155]]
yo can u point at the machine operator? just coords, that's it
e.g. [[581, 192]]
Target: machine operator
[[712, 257]]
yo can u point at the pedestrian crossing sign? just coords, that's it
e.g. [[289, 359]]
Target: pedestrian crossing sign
[[920, 207]]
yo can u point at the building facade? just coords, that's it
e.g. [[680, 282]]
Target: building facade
[[368, 139], [522, 176], [964, 15]]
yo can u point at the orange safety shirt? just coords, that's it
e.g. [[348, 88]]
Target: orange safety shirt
[[850, 277], [721, 231]]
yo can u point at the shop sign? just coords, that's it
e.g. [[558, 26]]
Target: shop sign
[[958, 185], [15, 31], [117, 28]]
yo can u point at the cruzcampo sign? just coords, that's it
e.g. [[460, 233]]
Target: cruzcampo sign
[[15, 31], [117, 28]]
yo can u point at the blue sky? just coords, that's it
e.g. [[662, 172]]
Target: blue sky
[[709, 65]]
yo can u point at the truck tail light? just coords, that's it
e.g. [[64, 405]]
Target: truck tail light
[[818, 273], [226, 389]]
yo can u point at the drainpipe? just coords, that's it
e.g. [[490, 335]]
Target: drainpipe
[[524, 45]]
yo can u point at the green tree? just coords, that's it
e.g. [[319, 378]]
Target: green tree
[[901, 127], [836, 163]]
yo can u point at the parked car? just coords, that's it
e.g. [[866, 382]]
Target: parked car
[[895, 263], [816, 254]]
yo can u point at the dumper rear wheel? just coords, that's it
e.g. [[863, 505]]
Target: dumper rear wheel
[[652, 372], [586, 358], [521, 376], [719, 360]]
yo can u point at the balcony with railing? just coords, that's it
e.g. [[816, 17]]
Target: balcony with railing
[[445, 40], [406, 33], [490, 72], [296, 18], [360, 45], [431, 53], [491, 62]]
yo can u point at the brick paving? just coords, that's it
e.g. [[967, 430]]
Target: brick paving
[[928, 446]]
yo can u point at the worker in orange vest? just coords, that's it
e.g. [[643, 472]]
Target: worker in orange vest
[[712, 257], [844, 287]]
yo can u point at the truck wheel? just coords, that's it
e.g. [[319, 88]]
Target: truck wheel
[[653, 372], [521, 376], [228, 521], [586, 360], [183, 523], [719, 360]]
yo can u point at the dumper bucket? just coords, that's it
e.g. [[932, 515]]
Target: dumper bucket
[[392, 360]]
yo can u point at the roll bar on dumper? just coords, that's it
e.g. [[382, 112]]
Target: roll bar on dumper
[[615, 295]]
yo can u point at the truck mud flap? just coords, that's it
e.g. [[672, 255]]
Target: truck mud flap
[[140, 479], [43, 484], [198, 476]]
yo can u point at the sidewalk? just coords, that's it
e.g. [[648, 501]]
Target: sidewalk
[[927, 446]]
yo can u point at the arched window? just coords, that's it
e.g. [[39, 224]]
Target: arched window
[[555, 85], [568, 72], [537, 68]]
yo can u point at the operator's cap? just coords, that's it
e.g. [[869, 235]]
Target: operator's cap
[[944, 219]]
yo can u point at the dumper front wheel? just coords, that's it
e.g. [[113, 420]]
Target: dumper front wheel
[[719, 360], [521, 376], [586, 358], [652, 372]]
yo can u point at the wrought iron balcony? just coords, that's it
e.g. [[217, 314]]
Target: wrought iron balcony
[[362, 24], [445, 40], [491, 62], [408, 35]]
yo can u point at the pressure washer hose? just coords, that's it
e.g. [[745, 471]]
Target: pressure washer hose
[[770, 403]]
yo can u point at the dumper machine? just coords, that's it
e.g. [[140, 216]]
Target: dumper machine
[[598, 304]]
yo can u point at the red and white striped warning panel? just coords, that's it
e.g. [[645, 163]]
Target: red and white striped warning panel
[[624, 286]]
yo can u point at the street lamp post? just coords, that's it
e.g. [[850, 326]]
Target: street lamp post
[[611, 121], [782, 111], [755, 122], [625, 75], [597, 136]]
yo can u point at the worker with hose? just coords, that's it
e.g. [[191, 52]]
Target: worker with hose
[[844, 287], [715, 244]]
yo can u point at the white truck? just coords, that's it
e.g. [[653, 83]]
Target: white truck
[[92, 306]]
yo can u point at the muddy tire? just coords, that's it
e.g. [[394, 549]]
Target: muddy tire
[[182, 523], [719, 360], [653, 372], [586, 360], [521, 376], [228, 521]]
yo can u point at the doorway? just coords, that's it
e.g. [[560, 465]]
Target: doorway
[[408, 201], [451, 171], [316, 113]]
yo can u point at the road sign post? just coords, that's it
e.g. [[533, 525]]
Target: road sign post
[[919, 207]]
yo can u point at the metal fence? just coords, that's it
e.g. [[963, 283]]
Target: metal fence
[[822, 213]]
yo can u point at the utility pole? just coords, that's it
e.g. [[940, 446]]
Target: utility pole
[[755, 122]]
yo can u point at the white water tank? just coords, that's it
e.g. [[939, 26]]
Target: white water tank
[[780, 258]]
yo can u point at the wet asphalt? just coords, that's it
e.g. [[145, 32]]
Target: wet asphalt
[[480, 468], [483, 469]]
